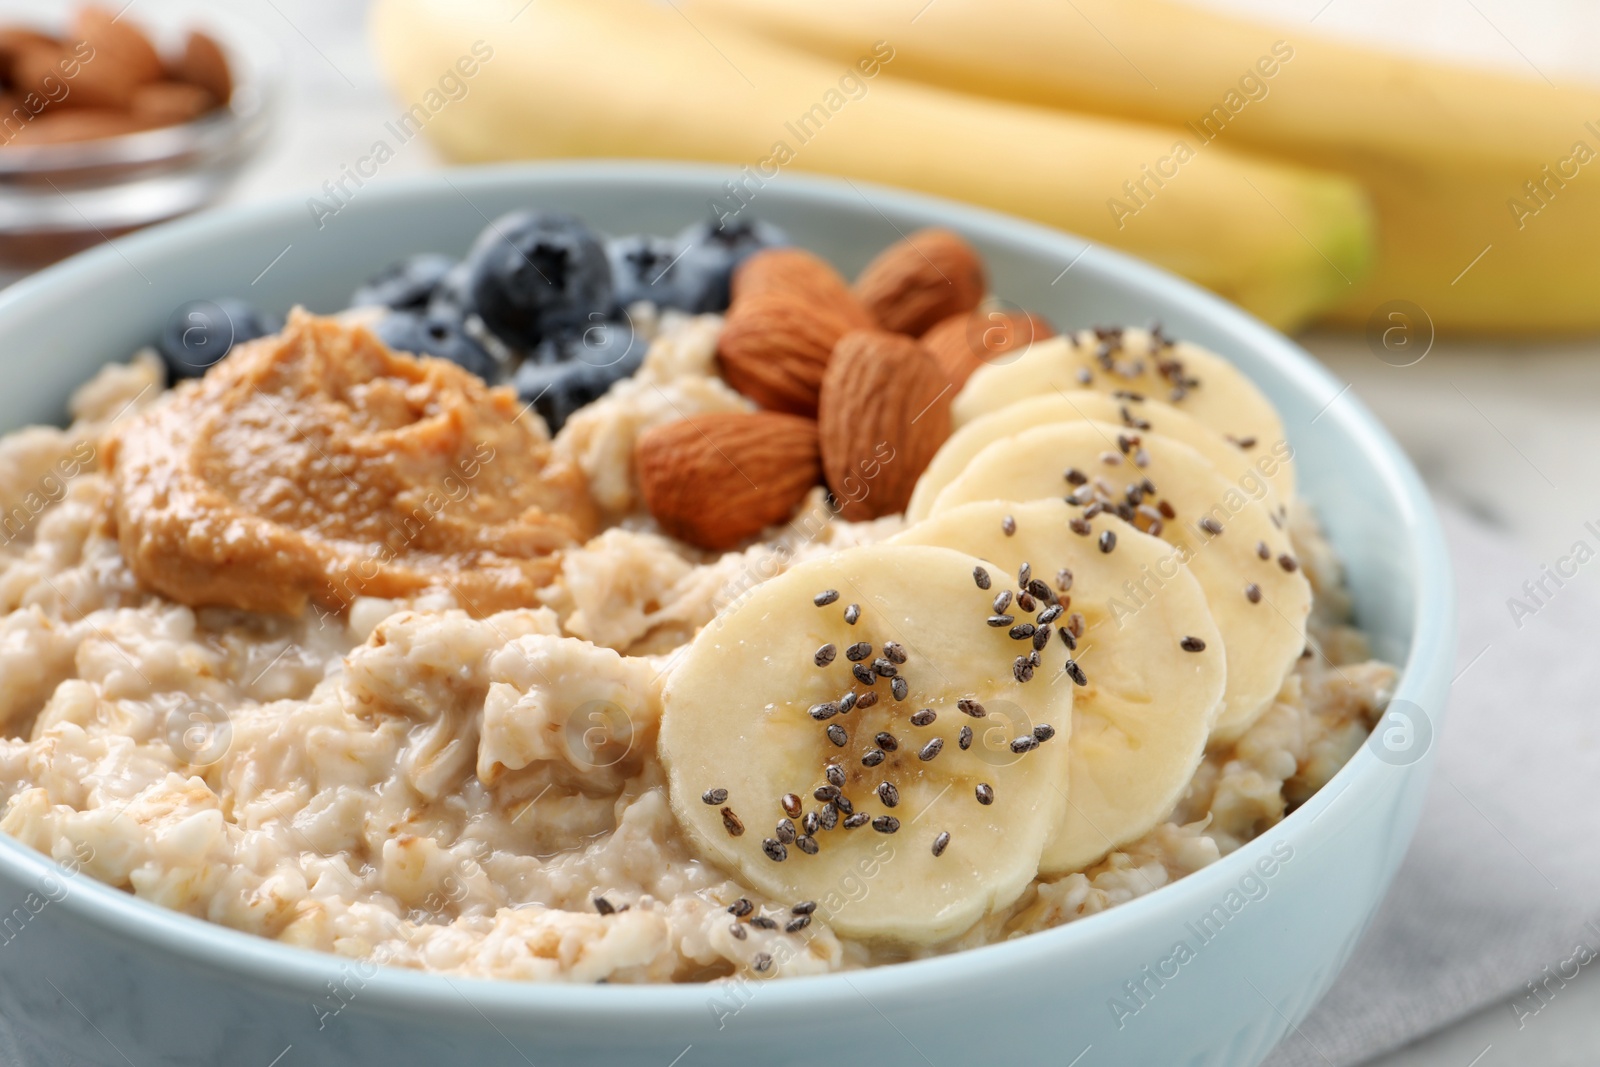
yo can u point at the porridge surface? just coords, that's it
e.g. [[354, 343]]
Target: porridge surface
[[419, 781]]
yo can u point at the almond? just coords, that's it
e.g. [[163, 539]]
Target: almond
[[119, 43], [169, 103], [717, 479], [774, 346], [963, 343], [884, 412], [919, 281], [203, 63], [796, 271]]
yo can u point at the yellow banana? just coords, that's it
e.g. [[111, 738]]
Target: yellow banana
[[1488, 211], [641, 79]]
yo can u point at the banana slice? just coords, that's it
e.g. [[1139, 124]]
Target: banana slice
[[1137, 415], [1152, 678], [937, 789], [1233, 545], [1198, 382]]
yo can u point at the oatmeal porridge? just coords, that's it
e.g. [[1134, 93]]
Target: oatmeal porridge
[[343, 647]]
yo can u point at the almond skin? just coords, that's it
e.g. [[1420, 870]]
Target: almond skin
[[717, 479], [775, 345], [796, 271], [963, 343], [916, 283], [885, 410]]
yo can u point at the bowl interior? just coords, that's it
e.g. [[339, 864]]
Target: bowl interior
[[60, 325]]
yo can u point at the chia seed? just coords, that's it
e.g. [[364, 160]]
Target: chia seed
[[1022, 670], [1080, 526], [899, 688], [1043, 732], [826, 597], [886, 824], [981, 576], [1192, 644], [1008, 525], [964, 740], [741, 907], [858, 652], [732, 823], [1210, 525], [985, 793], [931, 749], [1288, 563], [941, 843], [715, 796], [923, 717], [784, 831], [1252, 592], [895, 652], [807, 844], [971, 707], [837, 735], [835, 775], [857, 820], [825, 655], [888, 794], [852, 614], [1108, 540], [998, 621], [791, 805], [796, 924], [823, 712], [1021, 631], [776, 851], [863, 674], [1075, 672], [866, 700], [886, 741], [873, 757]]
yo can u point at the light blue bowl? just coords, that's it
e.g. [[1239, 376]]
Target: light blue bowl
[[95, 976]]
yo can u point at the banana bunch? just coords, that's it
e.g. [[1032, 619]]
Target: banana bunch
[[1487, 217], [637, 78]]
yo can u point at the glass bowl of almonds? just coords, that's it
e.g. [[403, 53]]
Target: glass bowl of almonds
[[111, 120]]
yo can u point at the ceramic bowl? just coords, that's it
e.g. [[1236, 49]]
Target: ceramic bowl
[[92, 975]]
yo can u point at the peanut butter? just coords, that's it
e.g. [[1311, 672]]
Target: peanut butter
[[318, 466]]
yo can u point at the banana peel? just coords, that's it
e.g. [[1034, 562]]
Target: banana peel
[[1485, 186], [631, 78]]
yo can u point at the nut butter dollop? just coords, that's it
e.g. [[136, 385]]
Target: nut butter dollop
[[317, 465]]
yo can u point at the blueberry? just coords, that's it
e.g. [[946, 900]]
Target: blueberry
[[537, 275], [643, 268], [405, 286], [562, 376], [201, 332], [710, 253], [437, 332]]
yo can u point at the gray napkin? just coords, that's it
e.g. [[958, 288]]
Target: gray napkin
[[1503, 879]]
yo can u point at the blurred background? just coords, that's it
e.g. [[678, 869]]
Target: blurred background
[[1408, 191]]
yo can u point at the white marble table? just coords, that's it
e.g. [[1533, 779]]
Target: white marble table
[[1510, 429]]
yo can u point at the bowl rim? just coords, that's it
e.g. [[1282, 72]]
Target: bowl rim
[[251, 958]]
